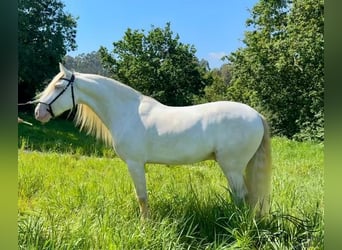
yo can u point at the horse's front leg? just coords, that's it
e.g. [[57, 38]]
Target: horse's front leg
[[137, 172]]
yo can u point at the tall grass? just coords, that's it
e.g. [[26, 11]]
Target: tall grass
[[78, 200]]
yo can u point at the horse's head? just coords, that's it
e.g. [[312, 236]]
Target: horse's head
[[57, 97]]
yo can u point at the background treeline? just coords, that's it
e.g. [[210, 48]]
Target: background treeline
[[279, 71]]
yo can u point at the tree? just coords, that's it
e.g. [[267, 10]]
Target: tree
[[86, 63], [157, 64], [45, 34], [218, 89], [280, 71]]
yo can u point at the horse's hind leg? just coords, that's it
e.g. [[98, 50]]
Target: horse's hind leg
[[234, 172]]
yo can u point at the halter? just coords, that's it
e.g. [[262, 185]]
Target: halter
[[70, 83]]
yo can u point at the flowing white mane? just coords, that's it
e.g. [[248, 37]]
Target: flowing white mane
[[89, 121]]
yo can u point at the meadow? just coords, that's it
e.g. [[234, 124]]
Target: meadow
[[74, 193]]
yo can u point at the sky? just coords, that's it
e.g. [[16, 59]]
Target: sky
[[215, 28]]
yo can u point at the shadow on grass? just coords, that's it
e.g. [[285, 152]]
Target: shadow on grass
[[220, 224], [59, 135]]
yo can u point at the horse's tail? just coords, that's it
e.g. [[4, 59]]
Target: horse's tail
[[258, 174]]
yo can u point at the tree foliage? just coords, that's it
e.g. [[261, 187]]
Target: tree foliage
[[45, 34], [218, 89], [280, 70], [86, 63], [157, 64]]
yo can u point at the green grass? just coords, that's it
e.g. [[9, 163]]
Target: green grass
[[60, 136], [78, 196]]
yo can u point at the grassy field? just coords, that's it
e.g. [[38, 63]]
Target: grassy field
[[75, 194]]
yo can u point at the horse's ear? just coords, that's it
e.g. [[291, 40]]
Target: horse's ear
[[64, 69]]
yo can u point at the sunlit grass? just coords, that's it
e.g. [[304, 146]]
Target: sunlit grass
[[82, 198]]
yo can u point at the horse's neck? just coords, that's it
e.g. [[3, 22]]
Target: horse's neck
[[110, 100]]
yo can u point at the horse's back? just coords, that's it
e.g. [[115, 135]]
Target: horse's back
[[202, 117], [221, 113]]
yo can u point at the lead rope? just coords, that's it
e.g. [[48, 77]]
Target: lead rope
[[27, 103], [22, 120]]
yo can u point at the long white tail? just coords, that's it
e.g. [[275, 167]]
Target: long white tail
[[258, 174]]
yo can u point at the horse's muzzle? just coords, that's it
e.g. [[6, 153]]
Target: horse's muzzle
[[41, 113]]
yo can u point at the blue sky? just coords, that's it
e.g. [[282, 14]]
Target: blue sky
[[214, 27]]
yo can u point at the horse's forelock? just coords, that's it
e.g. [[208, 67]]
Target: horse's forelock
[[50, 87]]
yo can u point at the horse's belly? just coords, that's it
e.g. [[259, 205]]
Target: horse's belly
[[184, 159], [180, 152]]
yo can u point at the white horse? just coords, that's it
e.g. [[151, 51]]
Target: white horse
[[142, 130]]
